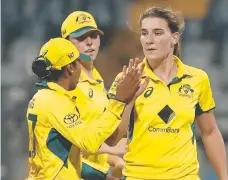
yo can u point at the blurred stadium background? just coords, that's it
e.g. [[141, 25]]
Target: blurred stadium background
[[27, 24]]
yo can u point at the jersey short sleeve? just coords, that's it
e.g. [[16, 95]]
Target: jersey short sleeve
[[205, 101]]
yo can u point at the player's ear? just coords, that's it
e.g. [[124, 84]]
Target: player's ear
[[175, 38], [70, 69]]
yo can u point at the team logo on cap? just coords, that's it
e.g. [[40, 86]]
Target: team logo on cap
[[63, 31], [71, 55], [82, 18]]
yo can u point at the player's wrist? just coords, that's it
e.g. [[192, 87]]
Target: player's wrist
[[115, 97]]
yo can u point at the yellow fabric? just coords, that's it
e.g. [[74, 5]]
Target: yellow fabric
[[92, 100], [161, 134], [191, 177], [76, 21], [58, 133], [59, 52]]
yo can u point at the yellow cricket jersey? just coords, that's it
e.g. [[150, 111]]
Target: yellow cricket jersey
[[161, 132], [57, 133], [91, 102]]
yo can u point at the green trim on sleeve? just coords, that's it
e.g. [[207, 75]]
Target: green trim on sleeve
[[58, 145]]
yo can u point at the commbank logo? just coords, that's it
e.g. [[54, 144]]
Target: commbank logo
[[163, 130]]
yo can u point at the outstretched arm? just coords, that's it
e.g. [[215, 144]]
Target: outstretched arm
[[213, 143]]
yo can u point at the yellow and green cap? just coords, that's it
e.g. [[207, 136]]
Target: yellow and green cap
[[78, 23], [59, 52]]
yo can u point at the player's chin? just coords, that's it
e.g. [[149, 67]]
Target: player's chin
[[153, 57], [93, 57], [75, 85]]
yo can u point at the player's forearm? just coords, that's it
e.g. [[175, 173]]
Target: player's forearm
[[104, 149], [215, 148], [102, 128], [123, 126]]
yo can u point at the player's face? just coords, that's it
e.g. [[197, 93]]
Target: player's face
[[75, 74], [156, 38], [88, 44]]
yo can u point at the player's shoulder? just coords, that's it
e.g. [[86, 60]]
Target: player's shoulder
[[47, 100], [197, 73]]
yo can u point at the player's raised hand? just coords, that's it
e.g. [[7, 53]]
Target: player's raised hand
[[143, 85], [130, 82]]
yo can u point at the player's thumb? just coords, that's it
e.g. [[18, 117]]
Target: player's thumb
[[145, 83]]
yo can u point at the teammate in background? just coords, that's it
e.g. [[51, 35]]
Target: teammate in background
[[161, 136], [57, 134], [81, 29]]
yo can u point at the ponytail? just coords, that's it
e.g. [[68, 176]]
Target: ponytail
[[40, 68]]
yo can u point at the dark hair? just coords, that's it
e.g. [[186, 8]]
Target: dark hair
[[40, 69], [174, 19]]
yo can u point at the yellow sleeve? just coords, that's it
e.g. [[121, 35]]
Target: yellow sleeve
[[112, 90], [87, 137], [205, 101]]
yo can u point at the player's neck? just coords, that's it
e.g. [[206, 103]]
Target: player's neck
[[87, 67], [65, 84], [165, 69]]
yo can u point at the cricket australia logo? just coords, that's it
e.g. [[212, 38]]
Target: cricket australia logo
[[82, 18], [186, 90]]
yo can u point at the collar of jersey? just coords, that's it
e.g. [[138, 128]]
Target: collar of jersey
[[55, 87], [97, 77], [180, 73]]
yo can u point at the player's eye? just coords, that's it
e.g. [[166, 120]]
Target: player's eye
[[94, 35], [158, 33], [143, 33], [81, 38]]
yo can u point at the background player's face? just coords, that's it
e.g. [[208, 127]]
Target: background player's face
[[88, 44], [156, 38]]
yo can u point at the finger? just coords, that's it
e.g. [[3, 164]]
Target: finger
[[136, 62], [137, 77], [124, 71], [135, 87], [142, 87], [130, 65], [130, 76], [119, 80], [134, 74], [142, 66], [145, 84]]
